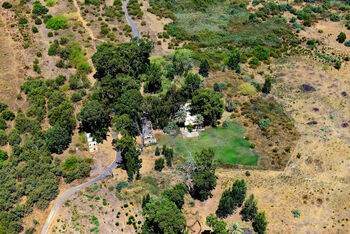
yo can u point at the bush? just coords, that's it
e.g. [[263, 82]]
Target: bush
[[38, 21], [76, 97], [3, 124], [39, 9], [347, 43], [14, 138], [159, 164], [341, 37], [264, 123], [3, 107], [247, 89], [3, 138], [6, 5], [335, 17], [57, 139], [58, 22], [3, 155], [120, 186], [8, 115], [261, 53]]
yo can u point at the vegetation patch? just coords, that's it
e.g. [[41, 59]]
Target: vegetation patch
[[229, 145]]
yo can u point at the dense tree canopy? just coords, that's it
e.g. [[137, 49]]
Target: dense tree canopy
[[130, 58], [57, 139], [208, 104], [203, 177], [176, 194], [95, 120], [124, 125], [163, 217]]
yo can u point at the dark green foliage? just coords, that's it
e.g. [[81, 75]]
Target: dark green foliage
[[60, 80], [203, 177], [162, 216], [267, 86], [76, 168], [260, 223], [208, 104], [95, 120], [63, 115], [38, 21], [335, 17], [130, 156], [3, 155], [176, 194], [76, 97], [3, 124], [6, 5], [3, 138], [153, 82], [22, 21], [53, 49], [39, 9], [120, 186], [124, 125], [157, 152], [14, 138], [145, 200], [130, 58], [204, 68], [249, 209], [231, 199], [341, 37], [233, 61], [57, 139], [192, 83], [169, 155], [159, 164], [3, 107], [218, 226]]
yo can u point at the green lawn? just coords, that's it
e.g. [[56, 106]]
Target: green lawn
[[229, 145]]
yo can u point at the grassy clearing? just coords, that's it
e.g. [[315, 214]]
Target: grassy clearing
[[229, 145]]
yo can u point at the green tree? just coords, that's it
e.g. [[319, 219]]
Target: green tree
[[130, 156], [204, 68], [203, 177], [169, 154], [218, 226], [192, 83], [341, 37], [181, 61], [163, 217], [267, 85], [153, 82], [3, 106], [180, 117], [157, 152], [57, 139], [131, 58], [8, 115], [231, 199], [145, 200], [63, 115], [3, 138], [235, 228], [233, 61], [249, 209], [14, 138], [176, 194], [208, 104], [260, 223], [124, 125], [3, 155], [95, 120], [159, 164]]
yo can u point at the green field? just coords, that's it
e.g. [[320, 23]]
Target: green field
[[229, 145]]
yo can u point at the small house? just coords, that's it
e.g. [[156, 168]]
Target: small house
[[92, 144]]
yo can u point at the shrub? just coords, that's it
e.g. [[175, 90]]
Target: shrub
[[76, 97], [14, 138], [254, 62], [3, 107], [335, 17], [3, 138], [120, 186], [38, 21], [3, 155], [264, 123], [8, 115], [341, 37], [39, 9], [22, 21], [157, 152], [6, 5], [247, 89], [347, 43], [261, 53], [296, 213], [159, 164], [3, 124], [58, 22]]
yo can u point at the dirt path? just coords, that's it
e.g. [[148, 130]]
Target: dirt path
[[62, 198]]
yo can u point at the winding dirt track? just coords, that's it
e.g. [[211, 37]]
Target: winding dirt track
[[62, 198]]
